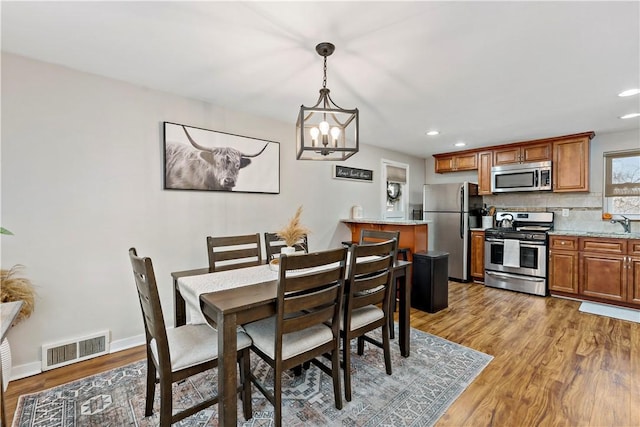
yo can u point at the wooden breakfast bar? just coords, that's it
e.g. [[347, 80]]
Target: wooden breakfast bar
[[414, 234]]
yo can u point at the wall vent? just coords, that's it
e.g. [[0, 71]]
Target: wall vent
[[72, 351]]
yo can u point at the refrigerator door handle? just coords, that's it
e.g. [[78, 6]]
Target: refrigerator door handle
[[462, 212]]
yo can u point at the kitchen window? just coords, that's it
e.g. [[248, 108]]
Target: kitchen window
[[622, 183]]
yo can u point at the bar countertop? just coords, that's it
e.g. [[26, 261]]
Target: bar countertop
[[385, 221]]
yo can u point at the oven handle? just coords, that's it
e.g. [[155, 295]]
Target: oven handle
[[527, 244], [513, 276]]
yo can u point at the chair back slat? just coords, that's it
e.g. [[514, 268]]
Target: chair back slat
[[235, 254], [368, 266], [274, 244], [308, 301], [303, 282], [307, 319], [232, 252]]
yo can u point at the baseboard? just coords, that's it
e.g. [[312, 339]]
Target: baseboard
[[616, 312], [35, 368]]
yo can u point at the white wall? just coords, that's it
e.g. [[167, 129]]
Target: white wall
[[82, 182]]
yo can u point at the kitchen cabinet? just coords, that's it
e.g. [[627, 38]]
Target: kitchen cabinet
[[571, 164], [477, 255], [456, 162], [595, 268], [603, 268], [633, 274], [485, 162], [569, 155], [563, 264], [536, 152]]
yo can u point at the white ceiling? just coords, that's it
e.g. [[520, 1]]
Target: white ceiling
[[480, 72]]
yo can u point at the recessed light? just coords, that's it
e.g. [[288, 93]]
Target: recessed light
[[460, 144], [629, 92], [630, 116], [433, 133]]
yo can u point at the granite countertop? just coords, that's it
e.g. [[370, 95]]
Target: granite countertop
[[386, 221], [594, 234]]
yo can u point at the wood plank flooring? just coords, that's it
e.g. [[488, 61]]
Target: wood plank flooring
[[552, 366]]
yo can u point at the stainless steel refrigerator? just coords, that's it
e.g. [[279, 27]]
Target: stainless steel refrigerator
[[451, 208]]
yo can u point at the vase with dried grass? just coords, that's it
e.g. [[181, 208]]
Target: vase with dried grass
[[293, 232]]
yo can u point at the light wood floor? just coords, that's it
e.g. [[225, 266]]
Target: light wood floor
[[552, 366]]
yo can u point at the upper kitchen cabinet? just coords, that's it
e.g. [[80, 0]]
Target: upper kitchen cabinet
[[454, 162], [571, 163], [536, 152], [485, 162]]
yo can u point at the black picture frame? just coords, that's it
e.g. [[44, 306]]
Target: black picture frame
[[345, 172], [200, 159]]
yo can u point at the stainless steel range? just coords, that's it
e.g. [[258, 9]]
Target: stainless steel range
[[516, 254]]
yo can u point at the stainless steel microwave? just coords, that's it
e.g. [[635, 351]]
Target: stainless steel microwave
[[535, 176]]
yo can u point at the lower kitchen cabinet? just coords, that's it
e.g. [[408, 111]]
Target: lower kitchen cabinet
[[477, 255], [603, 276], [563, 264], [563, 272], [598, 269]]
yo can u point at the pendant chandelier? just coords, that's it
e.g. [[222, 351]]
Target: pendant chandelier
[[326, 131]]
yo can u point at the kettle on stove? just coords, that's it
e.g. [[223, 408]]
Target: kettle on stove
[[506, 222]]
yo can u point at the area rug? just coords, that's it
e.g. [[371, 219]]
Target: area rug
[[621, 313], [420, 390]]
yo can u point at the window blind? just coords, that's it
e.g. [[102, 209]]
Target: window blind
[[396, 174]]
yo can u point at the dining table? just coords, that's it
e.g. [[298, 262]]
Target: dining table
[[231, 298]]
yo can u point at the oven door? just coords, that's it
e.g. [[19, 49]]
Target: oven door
[[532, 259]]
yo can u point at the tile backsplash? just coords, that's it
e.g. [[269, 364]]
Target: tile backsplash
[[585, 209]]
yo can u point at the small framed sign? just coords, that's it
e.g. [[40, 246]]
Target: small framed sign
[[344, 172]]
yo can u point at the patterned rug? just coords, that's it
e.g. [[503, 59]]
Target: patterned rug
[[420, 390]]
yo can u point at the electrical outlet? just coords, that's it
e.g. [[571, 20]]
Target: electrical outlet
[[565, 212]]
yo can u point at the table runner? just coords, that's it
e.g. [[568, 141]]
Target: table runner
[[192, 287]]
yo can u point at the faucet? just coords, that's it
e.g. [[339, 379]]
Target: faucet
[[626, 223]]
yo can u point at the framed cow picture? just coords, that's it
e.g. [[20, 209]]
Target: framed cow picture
[[208, 160]]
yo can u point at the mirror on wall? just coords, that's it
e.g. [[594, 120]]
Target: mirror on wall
[[395, 191]]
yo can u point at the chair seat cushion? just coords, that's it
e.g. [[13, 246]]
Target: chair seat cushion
[[363, 316], [263, 334], [190, 345]]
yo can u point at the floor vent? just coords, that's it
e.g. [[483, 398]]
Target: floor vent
[[66, 353]]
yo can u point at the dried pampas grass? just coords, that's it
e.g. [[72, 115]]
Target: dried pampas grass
[[294, 231], [14, 288]]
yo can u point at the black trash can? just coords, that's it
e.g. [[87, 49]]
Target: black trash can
[[430, 286]]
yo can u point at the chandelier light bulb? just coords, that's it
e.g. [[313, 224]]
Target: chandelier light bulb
[[324, 127], [314, 131], [335, 133]]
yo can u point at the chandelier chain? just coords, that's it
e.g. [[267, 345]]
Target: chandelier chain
[[324, 80]]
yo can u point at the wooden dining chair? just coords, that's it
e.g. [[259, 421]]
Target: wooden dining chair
[[367, 302], [274, 244], [231, 252], [178, 353], [310, 291], [376, 236]]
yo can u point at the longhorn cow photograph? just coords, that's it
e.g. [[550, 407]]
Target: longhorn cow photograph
[[207, 160]]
